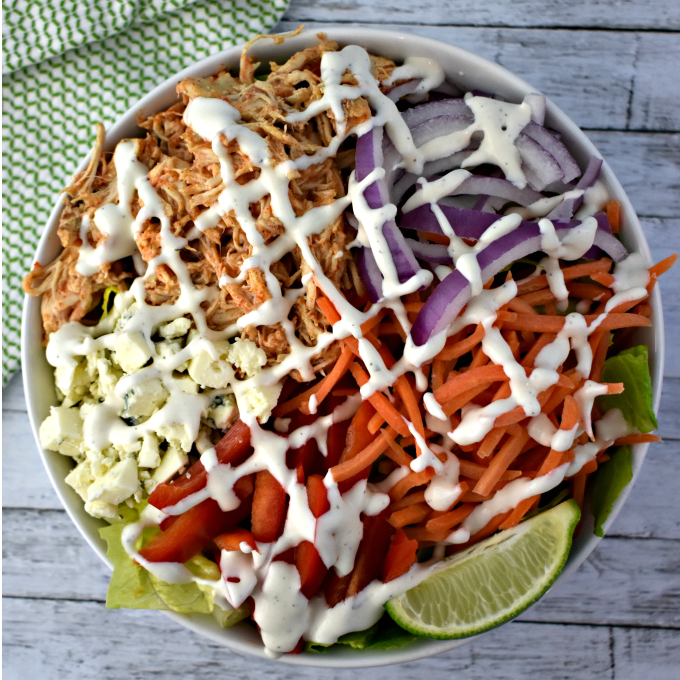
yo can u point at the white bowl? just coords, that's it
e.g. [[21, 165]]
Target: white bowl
[[466, 70]]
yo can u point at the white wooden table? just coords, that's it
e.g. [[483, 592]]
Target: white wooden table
[[613, 66]]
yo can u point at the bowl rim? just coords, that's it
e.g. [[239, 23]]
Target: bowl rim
[[388, 43]]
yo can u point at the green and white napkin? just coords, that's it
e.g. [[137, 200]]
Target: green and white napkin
[[69, 65]]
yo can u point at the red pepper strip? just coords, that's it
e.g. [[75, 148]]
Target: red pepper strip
[[269, 506], [317, 496], [335, 587], [232, 449], [370, 558], [193, 530], [358, 438], [311, 568], [400, 557], [232, 539]]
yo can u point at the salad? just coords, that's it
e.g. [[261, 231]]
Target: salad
[[328, 322]]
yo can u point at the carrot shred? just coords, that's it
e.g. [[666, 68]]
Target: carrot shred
[[574, 272], [410, 499], [331, 380], [501, 462], [362, 460], [491, 441], [637, 439], [409, 515], [413, 479], [458, 402], [613, 210], [663, 266], [554, 324], [408, 397], [397, 453], [457, 349], [451, 519], [463, 382], [380, 402]]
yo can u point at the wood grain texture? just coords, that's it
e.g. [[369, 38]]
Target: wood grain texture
[[610, 14], [86, 642], [590, 75]]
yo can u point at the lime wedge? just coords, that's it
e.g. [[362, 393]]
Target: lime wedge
[[491, 582]]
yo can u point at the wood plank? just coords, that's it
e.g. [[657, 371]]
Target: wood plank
[[656, 95], [610, 14], [619, 584], [653, 508], [663, 236], [24, 481], [644, 653], [669, 424], [647, 166], [560, 64], [624, 581], [81, 640]]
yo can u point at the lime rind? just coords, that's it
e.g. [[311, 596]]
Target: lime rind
[[492, 582]]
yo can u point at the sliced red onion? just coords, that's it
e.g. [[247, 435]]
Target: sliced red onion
[[555, 148], [368, 157], [449, 297], [465, 223], [371, 276], [543, 166], [396, 93], [430, 252], [434, 109], [566, 209], [501, 188], [537, 103]]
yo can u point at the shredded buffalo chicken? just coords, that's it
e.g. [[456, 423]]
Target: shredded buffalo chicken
[[185, 173]]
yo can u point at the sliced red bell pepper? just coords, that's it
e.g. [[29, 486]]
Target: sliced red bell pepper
[[335, 587], [358, 438], [400, 557], [311, 568], [232, 449], [193, 530], [269, 506], [370, 558], [232, 539], [317, 496]]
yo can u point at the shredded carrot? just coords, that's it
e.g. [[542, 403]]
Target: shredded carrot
[[328, 309], [457, 349], [362, 460], [464, 381], [331, 380], [451, 519], [613, 210], [380, 402], [542, 341], [397, 453], [413, 479], [457, 403], [570, 413], [605, 278], [663, 266], [522, 306], [637, 439], [375, 423], [501, 462], [297, 403], [578, 488], [408, 397], [410, 515], [438, 373], [491, 441], [553, 324], [574, 272], [410, 499], [475, 471]]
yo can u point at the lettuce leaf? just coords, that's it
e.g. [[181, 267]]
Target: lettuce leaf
[[631, 367], [133, 587], [385, 634], [610, 479]]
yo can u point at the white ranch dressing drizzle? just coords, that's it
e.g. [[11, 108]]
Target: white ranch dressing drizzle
[[281, 611], [428, 71]]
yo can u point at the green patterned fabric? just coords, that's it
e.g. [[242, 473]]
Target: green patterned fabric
[[52, 98]]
